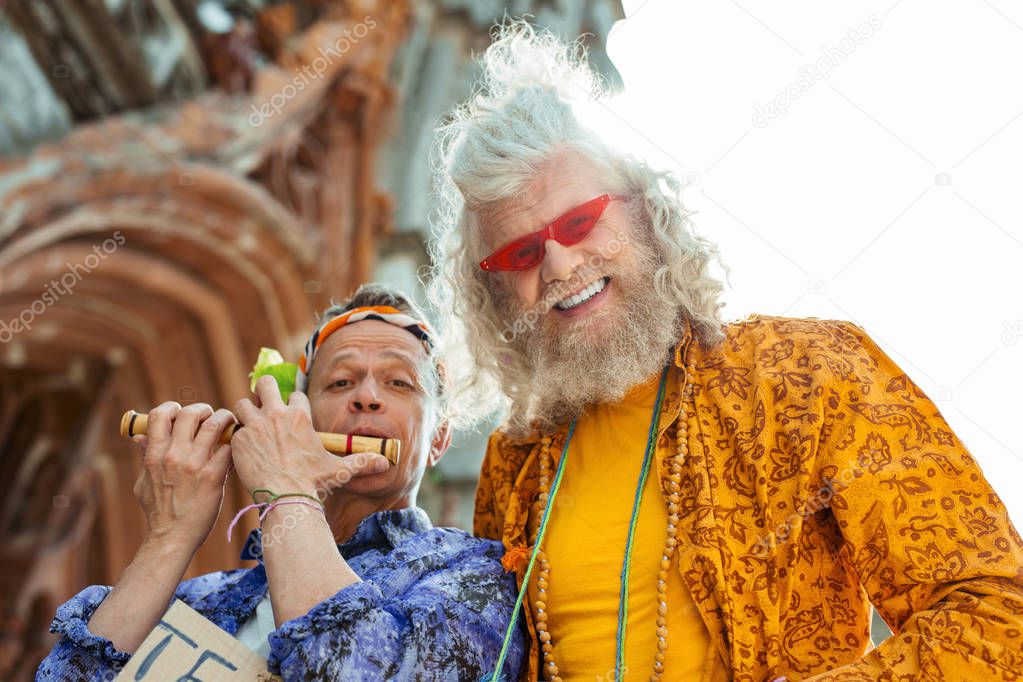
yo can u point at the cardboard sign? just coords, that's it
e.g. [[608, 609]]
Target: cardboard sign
[[185, 647]]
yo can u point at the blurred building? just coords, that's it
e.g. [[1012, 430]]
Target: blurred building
[[182, 182]]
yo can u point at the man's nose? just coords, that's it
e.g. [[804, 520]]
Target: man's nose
[[559, 261], [366, 398]]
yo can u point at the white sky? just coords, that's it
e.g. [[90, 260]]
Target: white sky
[[886, 193]]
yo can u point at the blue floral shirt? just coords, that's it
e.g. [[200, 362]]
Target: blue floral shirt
[[433, 604]]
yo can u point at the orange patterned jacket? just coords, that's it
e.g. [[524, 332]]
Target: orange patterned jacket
[[819, 480]]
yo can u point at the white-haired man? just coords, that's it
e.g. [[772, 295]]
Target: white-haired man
[[358, 587], [680, 497]]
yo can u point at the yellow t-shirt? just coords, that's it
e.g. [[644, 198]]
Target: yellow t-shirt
[[585, 545]]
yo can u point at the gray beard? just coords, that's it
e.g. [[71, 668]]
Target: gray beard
[[599, 358]]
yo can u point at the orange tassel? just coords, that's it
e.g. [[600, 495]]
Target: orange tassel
[[514, 560]]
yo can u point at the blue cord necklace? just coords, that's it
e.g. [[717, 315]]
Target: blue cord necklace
[[623, 600]]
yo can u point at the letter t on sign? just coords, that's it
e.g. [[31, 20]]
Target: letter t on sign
[[182, 642]]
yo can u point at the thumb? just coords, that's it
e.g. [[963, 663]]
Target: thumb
[[220, 461], [300, 400], [343, 469]]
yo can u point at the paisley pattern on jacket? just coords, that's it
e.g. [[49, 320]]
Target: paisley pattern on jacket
[[820, 479], [433, 604]]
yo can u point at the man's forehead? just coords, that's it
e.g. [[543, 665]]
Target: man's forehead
[[565, 182], [372, 339]]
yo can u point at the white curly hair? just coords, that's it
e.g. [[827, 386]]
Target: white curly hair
[[528, 105]]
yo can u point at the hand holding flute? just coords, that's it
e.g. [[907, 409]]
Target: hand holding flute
[[278, 449], [196, 438], [181, 488]]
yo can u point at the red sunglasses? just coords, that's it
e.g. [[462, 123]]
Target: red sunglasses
[[569, 229]]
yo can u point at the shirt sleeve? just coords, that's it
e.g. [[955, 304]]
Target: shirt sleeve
[[443, 617], [81, 655], [928, 537]]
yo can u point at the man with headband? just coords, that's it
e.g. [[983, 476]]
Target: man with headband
[[360, 587], [682, 498]]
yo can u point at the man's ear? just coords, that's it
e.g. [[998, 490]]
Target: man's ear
[[440, 444]]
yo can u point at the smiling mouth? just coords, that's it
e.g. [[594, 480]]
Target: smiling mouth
[[582, 295]]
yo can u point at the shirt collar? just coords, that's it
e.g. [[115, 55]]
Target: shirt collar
[[389, 528], [680, 347], [380, 530]]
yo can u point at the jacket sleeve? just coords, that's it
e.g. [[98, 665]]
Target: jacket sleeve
[[443, 617], [81, 655], [928, 537]]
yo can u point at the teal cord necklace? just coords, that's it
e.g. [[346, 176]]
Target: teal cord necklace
[[623, 603], [623, 600]]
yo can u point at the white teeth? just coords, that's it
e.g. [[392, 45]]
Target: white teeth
[[583, 296]]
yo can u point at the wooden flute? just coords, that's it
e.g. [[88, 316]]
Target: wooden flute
[[134, 423]]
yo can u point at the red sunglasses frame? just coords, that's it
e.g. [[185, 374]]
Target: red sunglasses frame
[[553, 230]]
